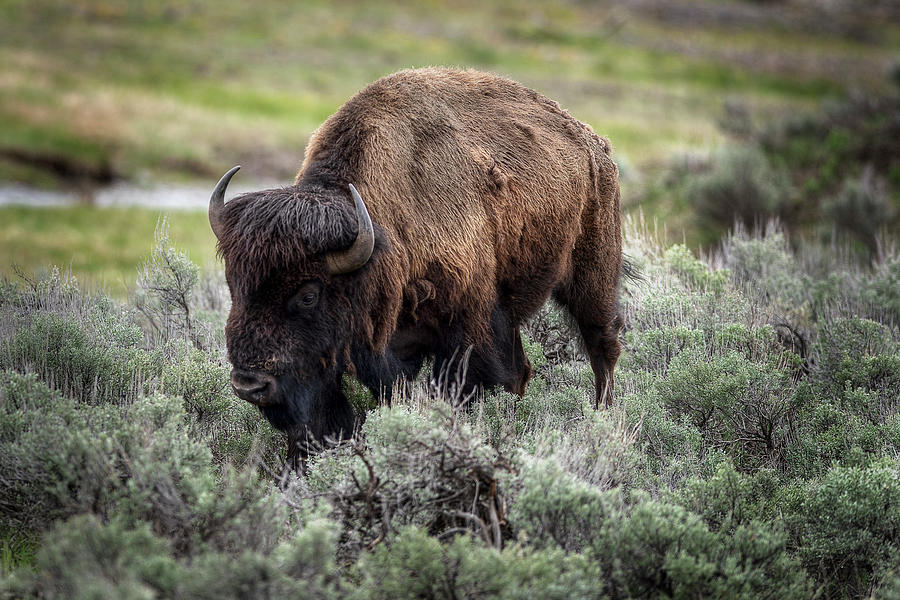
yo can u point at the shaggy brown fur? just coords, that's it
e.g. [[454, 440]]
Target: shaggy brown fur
[[486, 197]]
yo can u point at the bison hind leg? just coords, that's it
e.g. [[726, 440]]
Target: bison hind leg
[[603, 347], [599, 322], [521, 366]]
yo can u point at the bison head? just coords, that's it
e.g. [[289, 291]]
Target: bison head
[[293, 260]]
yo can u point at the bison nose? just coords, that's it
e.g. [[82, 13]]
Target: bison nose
[[253, 386]]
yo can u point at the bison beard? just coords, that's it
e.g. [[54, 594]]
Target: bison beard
[[478, 200]]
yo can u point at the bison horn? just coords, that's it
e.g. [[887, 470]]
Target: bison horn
[[217, 202], [358, 254]]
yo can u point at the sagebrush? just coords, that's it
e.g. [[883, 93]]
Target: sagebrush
[[752, 452]]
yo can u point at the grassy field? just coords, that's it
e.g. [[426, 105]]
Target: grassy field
[[101, 246], [182, 90], [93, 90]]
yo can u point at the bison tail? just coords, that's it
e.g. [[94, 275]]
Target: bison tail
[[630, 271]]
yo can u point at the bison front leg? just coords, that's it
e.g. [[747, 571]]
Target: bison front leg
[[501, 361]]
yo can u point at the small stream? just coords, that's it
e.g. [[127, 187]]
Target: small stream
[[165, 196]]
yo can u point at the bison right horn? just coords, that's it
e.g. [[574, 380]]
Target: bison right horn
[[358, 254], [217, 202]]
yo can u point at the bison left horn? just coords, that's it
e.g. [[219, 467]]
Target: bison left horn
[[217, 202], [358, 254]]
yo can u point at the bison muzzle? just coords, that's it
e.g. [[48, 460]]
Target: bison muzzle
[[478, 199]]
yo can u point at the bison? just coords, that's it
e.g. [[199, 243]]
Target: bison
[[434, 212]]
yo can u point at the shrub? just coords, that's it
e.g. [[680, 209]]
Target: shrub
[[84, 559], [595, 447], [742, 187], [416, 565], [839, 289], [552, 507], [670, 450], [882, 290], [827, 146], [763, 266], [739, 405], [658, 549], [427, 469], [138, 462], [729, 499], [830, 435], [88, 348], [857, 362], [695, 274], [93, 350], [302, 566], [137, 468], [732, 463], [889, 587], [231, 427], [653, 349], [861, 208], [71, 357], [177, 300], [166, 284], [71, 459], [507, 418], [682, 314], [47, 454], [849, 527]]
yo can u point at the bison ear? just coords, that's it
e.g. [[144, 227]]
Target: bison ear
[[217, 202], [358, 254]]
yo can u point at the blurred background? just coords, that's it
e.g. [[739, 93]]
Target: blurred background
[[115, 113]]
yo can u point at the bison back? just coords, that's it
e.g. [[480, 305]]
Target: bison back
[[482, 186]]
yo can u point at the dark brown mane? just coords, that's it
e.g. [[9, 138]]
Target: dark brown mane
[[274, 229]]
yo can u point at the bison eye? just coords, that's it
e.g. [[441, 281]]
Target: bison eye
[[306, 298]]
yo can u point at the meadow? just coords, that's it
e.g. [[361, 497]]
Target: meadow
[[753, 450], [93, 91]]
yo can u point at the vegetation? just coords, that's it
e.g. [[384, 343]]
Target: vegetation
[[754, 447], [752, 450], [101, 246], [831, 174]]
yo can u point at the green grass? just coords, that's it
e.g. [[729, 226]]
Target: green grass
[[15, 552], [273, 71], [101, 246]]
